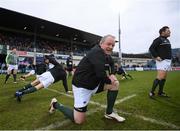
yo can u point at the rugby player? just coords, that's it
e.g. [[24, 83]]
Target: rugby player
[[89, 78], [51, 76], [161, 51]]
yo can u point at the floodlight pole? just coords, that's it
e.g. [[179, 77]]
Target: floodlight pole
[[34, 43], [119, 34], [71, 45]]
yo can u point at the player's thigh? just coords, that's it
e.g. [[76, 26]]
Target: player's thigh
[[39, 86], [79, 117], [15, 71], [9, 69], [161, 74], [111, 86], [35, 82]]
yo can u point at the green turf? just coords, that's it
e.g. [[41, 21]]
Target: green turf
[[32, 112]]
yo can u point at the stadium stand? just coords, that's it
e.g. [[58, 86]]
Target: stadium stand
[[40, 32], [31, 34]]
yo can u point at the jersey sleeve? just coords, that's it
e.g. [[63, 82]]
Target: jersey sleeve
[[112, 66], [153, 48], [97, 59], [7, 59]]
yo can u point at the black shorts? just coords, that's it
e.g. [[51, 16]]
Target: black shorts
[[81, 109]]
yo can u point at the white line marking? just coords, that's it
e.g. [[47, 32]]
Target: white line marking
[[55, 125], [117, 102], [125, 98], [59, 92], [159, 122], [65, 122], [151, 120]]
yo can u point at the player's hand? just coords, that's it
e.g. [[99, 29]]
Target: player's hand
[[158, 58], [112, 77], [114, 80]]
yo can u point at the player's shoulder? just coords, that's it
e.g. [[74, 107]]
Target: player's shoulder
[[157, 40], [95, 50]]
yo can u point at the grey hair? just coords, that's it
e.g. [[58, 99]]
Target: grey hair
[[105, 37]]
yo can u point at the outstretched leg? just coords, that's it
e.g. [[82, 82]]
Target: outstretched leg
[[29, 88], [14, 72]]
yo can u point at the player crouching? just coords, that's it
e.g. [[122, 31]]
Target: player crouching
[[51, 76]]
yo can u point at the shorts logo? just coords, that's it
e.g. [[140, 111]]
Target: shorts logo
[[79, 109], [84, 102]]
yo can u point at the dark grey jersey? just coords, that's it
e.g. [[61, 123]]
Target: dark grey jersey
[[161, 47]]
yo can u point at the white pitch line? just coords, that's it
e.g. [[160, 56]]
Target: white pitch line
[[125, 98], [55, 125], [159, 122], [65, 122], [117, 102], [59, 92]]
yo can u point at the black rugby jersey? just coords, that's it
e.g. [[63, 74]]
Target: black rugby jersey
[[40, 68], [109, 65], [91, 70], [57, 71], [161, 47]]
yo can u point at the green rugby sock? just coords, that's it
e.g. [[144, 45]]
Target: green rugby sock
[[155, 84], [161, 86], [65, 110], [14, 76], [29, 90], [25, 87], [7, 76], [111, 98]]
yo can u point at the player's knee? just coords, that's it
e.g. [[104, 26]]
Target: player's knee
[[79, 121], [79, 115]]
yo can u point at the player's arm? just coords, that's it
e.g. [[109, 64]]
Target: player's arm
[[97, 59], [53, 61], [153, 49], [113, 71], [7, 59]]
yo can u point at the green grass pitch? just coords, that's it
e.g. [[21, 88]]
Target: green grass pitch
[[140, 111]]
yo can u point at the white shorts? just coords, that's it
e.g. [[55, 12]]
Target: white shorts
[[164, 65], [11, 67], [46, 79], [32, 72], [82, 96]]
